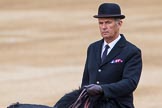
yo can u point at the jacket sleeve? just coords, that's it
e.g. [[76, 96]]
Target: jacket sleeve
[[131, 75], [85, 78]]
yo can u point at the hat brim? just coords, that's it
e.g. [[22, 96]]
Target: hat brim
[[109, 16]]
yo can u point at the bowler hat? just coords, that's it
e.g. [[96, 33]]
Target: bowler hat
[[109, 10]]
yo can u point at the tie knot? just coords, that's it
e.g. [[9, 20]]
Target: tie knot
[[107, 46]]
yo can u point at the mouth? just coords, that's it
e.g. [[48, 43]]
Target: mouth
[[105, 33]]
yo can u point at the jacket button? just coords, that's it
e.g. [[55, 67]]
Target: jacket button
[[99, 70], [98, 82]]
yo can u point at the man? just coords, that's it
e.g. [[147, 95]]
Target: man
[[113, 65]]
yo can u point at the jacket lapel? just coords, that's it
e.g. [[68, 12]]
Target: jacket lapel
[[115, 51], [98, 49]]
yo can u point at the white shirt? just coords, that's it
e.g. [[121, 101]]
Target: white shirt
[[111, 45]]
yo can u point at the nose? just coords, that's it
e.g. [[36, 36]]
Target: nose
[[104, 26]]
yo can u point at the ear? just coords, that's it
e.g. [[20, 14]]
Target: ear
[[120, 22]]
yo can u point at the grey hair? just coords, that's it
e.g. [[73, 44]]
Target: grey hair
[[117, 20]]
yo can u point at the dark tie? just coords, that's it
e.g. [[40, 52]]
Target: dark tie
[[105, 53]]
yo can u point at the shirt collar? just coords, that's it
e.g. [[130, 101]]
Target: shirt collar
[[112, 44]]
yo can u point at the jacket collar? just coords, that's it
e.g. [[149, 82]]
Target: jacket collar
[[113, 53]]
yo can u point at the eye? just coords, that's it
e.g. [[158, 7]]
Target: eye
[[100, 23], [108, 22]]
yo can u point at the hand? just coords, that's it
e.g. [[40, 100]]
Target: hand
[[94, 89]]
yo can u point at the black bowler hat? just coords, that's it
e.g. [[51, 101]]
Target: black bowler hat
[[109, 10]]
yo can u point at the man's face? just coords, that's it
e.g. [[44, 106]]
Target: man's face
[[109, 28]]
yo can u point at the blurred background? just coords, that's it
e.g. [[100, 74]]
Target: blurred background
[[43, 46]]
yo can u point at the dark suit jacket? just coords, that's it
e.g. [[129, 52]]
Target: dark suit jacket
[[118, 75]]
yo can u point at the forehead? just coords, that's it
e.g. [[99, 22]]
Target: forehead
[[106, 19]]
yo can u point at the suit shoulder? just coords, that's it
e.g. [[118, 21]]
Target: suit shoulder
[[128, 45], [95, 43], [132, 46]]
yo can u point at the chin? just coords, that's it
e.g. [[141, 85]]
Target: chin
[[106, 36]]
